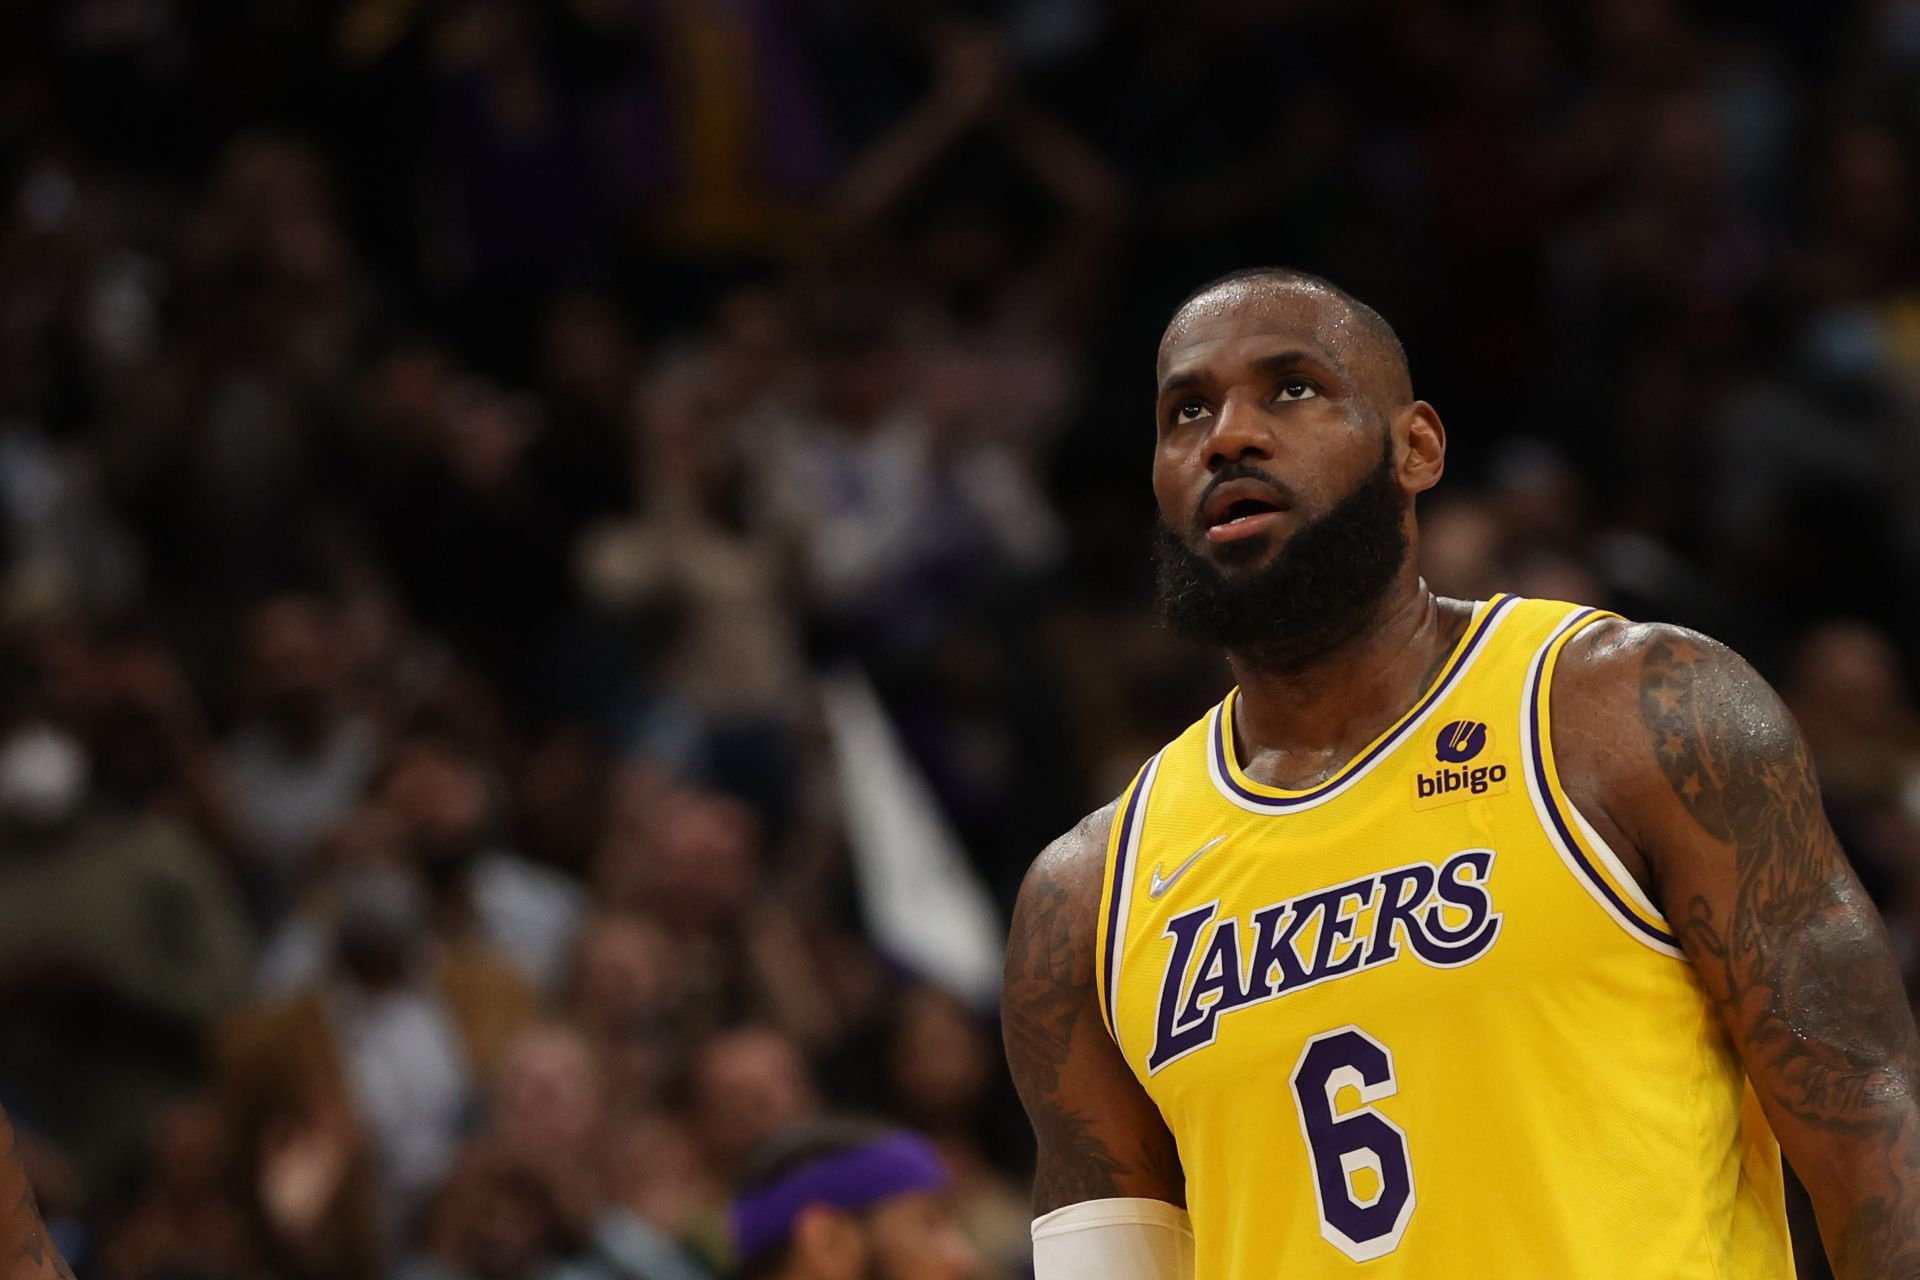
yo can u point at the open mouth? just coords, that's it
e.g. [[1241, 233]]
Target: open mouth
[[1240, 509], [1244, 509]]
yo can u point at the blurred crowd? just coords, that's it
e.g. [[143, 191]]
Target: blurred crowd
[[445, 444]]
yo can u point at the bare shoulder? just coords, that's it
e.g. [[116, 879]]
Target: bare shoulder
[[1654, 721], [1070, 869], [1050, 946], [1607, 660], [1636, 685]]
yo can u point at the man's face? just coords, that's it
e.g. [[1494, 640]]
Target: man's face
[[1269, 413], [1283, 471], [917, 1237]]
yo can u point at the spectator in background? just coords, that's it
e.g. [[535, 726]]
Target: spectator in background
[[498, 1218], [189, 1213], [659, 1193], [720, 695], [896, 527], [302, 756], [1462, 548], [693, 861], [387, 1047], [624, 992], [547, 1109], [225, 445], [561, 790], [846, 1200], [122, 943], [941, 1067], [1846, 688], [746, 1086], [573, 551], [449, 807]]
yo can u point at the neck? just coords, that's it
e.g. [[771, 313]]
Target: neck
[[1298, 727]]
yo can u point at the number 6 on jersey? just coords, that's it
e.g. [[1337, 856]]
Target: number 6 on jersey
[[1363, 1224]]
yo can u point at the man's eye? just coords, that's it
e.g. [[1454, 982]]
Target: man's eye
[[1190, 411], [1296, 389]]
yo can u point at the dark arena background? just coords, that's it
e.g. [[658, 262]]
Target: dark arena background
[[558, 558]]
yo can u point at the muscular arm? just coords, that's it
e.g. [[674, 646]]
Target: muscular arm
[[1098, 1133], [1698, 765], [26, 1252]]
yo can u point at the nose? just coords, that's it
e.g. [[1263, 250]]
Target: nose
[[1240, 432]]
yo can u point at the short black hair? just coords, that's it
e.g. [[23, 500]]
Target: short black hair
[[786, 1153], [1375, 324]]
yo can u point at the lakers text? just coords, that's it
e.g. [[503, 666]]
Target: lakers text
[[1442, 913]]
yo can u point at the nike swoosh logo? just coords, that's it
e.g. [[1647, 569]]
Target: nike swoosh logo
[[1156, 886]]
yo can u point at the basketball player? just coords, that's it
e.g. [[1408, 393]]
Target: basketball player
[[1461, 939], [26, 1251]]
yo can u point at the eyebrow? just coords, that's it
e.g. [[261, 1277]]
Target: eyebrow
[[1278, 362]]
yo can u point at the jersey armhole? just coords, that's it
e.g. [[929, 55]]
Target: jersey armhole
[[1580, 846], [1116, 893]]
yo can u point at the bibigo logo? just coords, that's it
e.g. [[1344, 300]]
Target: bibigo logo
[[1455, 749]]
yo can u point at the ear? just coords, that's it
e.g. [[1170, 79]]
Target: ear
[[1422, 446], [827, 1244]]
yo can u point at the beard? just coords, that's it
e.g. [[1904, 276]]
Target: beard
[[1322, 589]]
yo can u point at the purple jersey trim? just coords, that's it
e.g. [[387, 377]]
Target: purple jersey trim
[[1122, 877], [1222, 751], [1537, 762]]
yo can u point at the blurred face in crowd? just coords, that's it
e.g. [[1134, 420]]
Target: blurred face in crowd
[[1868, 188], [706, 858], [561, 795], [917, 1237], [292, 667], [373, 837], [859, 384], [620, 975], [625, 984], [1289, 450], [1847, 686], [856, 358], [442, 799], [589, 353], [940, 1062], [191, 1147], [654, 1169], [380, 925], [753, 342], [749, 1085], [1461, 546], [496, 1218], [546, 1095], [907, 1237]]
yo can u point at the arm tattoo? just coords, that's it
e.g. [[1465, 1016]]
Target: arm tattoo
[[1067, 1070], [1796, 959], [1077, 1165], [1046, 997], [1043, 976]]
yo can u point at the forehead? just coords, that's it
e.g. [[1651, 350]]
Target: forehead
[[1263, 314]]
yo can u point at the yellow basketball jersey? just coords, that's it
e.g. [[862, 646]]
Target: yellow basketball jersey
[[1418, 1021]]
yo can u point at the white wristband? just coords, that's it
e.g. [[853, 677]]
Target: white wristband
[[1124, 1239]]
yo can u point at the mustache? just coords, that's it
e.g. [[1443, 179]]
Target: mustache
[[1237, 471]]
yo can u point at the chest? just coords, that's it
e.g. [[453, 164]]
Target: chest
[[1431, 900]]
